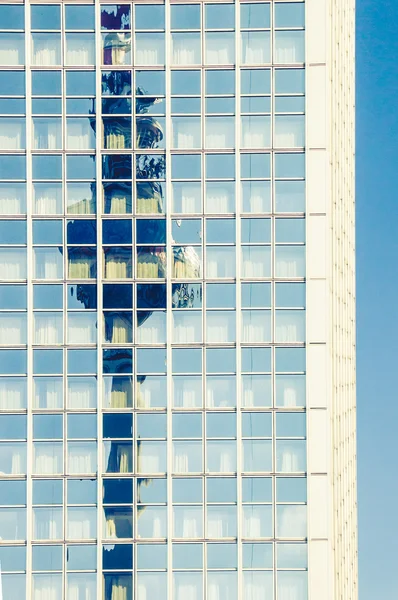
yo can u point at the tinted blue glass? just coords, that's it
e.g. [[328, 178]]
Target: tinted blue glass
[[186, 167], [149, 16], [116, 167], [149, 166], [186, 105], [11, 17], [13, 296], [79, 17], [220, 295], [47, 427], [80, 167], [12, 232], [256, 230], [257, 489], [220, 16], [82, 426], [116, 231], [256, 424], [185, 16], [12, 492], [257, 556], [13, 558], [81, 232], [14, 585], [80, 83], [256, 360], [118, 106], [220, 82], [117, 426], [187, 556], [151, 82], [187, 426], [290, 360], [220, 166], [46, 83], [47, 491], [221, 489], [227, 559], [290, 425], [82, 296], [115, 17], [256, 295], [47, 296], [185, 83], [289, 81], [255, 166], [79, 106], [12, 106], [152, 556], [151, 295], [47, 232], [288, 295], [82, 491], [220, 230], [289, 14], [12, 83], [151, 426], [151, 360], [220, 425], [117, 491], [13, 362], [220, 360], [117, 361], [82, 557], [187, 231], [151, 490], [292, 489], [47, 362], [187, 360], [47, 106], [117, 296], [289, 165], [47, 558], [82, 361], [47, 167], [255, 81], [151, 231], [12, 427], [187, 490], [255, 16], [116, 83], [12, 167], [117, 556], [46, 17]]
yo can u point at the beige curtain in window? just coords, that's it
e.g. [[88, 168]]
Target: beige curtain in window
[[79, 267]]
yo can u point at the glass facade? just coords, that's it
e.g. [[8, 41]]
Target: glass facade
[[152, 301]]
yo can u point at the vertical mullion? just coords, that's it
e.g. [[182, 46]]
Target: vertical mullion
[[29, 250], [169, 313], [238, 383], [99, 210]]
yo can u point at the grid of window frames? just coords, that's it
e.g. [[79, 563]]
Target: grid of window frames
[[152, 301]]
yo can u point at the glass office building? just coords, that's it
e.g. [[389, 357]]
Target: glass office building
[[172, 278]]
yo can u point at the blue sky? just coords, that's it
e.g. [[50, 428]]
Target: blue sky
[[377, 292]]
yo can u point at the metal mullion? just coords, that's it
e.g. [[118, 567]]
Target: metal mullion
[[238, 286], [99, 208], [169, 312], [30, 388], [273, 295]]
